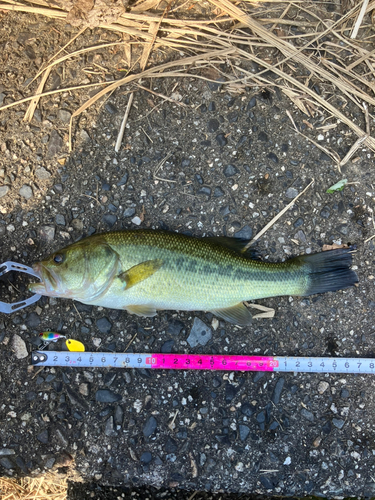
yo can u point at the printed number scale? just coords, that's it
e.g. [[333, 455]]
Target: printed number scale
[[204, 362]]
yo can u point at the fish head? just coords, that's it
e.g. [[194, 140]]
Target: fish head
[[81, 271]]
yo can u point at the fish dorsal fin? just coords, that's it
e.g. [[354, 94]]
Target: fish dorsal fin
[[140, 272], [236, 244], [238, 314], [142, 310]]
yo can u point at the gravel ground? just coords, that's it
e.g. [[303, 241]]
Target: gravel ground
[[233, 163]]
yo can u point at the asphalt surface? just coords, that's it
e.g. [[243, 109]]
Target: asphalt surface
[[233, 162]]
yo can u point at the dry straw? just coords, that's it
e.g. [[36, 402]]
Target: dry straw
[[336, 54]]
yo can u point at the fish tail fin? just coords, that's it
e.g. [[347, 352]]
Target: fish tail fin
[[328, 271]]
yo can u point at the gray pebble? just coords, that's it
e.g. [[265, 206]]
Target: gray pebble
[[344, 393], [106, 396], [273, 157], [6, 463], [230, 392], [343, 229], [150, 427], [109, 429], [277, 391], [291, 192], [252, 103], [325, 213], [6, 451], [43, 437], [123, 180], [146, 458], [212, 125], [64, 115], [218, 192], [112, 110], [33, 320], [200, 333], [298, 222], [109, 219], [266, 482], [175, 326], [55, 144], [60, 220], [230, 170], [307, 414], [245, 233], [221, 140], [129, 212], [84, 135], [42, 174], [104, 325], [338, 422], [47, 233], [167, 346], [119, 415], [26, 192], [262, 136], [244, 431], [3, 190], [247, 409], [205, 190]]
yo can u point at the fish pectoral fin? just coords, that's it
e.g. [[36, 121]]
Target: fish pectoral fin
[[238, 314], [142, 310], [140, 272]]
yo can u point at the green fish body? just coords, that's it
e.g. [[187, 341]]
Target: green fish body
[[143, 271]]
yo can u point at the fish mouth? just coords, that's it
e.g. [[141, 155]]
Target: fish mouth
[[49, 284]]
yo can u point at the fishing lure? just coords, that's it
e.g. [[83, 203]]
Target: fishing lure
[[51, 336]]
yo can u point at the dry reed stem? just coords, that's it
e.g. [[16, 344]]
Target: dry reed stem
[[123, 124], [34, 103], [276, 218], [359, 19]]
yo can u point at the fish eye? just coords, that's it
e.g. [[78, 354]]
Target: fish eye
[[59, 258]]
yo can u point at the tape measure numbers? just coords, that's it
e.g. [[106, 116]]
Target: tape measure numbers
[[203, 362]]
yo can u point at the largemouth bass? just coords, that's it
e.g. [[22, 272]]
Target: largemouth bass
[[143, 271]]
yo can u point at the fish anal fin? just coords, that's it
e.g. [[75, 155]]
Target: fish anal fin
[[140, 272], [238, 314], [142, 310]]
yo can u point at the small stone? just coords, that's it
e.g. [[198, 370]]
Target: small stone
[[245, 233], [252, 103], [84, 135], [33, 320], [230, 392], [307, 414], [123, 180], [64, 115], [205, 190], [291, 192], [42, 174], [287, 461], [322, 387], [43, 437], [230, 170], [146, 458], [150, 427], [244, 431], [26, 192], [266, 482], [344, 393], [212, 125], [218, 192], [247, 409], [212, 106], [337, 422], [239, 467], [277, 391], [137, 221], [221, 140], [298, 222], [109, 219], [111, 108], [273, 157], [3, 190], [167, 346], [6, 463], [19, 347], [171, 445], [325, 213], [129, 212], [175, 326], [47, 233], [104, 325], [262, 136], [261, 417], [106, 396], [232, 116], [60, 220], [200, 333], [6, 451], [55, 144], [109, 429]]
